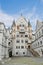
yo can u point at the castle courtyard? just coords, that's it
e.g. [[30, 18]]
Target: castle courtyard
[[22, 61]]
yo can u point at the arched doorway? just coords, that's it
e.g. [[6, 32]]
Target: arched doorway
[[29, 46], [10, 53]]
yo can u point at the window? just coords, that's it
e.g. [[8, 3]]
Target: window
[[9, 43], [11, 40], [21, 25], [17, 35], [22, 47], [17, 41], [16, 52], [23, 52], [22, 29], [17, 47], [21, 35], [38, 43], [22, 41], [39, 33], [26, 41], [41, 42], [26, 35]]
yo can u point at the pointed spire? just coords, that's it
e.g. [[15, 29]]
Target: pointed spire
[[13, 22], [29, 25]]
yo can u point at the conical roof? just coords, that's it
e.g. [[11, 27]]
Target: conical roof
[[13, 22], [29, 24]]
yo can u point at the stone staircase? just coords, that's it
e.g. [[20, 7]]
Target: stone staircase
[[34, 53]]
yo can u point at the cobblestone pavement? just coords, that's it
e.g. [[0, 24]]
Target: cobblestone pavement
[[15, 64], [22, 61], [39, 60]]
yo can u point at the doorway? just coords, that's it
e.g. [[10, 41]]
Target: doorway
[[29, 46], [10, 54], [42, 51]]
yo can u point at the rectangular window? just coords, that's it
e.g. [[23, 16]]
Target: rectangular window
[[17, 41], [21, 25], [21, 35], [17, 47], [22, 41], [26, 35], [26, 41], [38, 43], [22, 47], [41, 42], [17, 35]]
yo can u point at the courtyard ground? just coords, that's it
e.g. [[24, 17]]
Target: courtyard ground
[[22, 61]]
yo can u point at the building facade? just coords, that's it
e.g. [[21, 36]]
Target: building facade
[[37, 44], [21, 34], [3, 42], [20, 40]]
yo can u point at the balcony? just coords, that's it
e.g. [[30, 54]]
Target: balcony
[[22, 30]]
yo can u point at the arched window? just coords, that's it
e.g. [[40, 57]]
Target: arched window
[[9, 43]]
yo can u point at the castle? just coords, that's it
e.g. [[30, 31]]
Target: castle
[[19, 40]]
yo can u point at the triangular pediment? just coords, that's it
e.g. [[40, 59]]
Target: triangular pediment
[[21, 20]]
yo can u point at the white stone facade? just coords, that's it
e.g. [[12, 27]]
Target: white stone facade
[[21, 33], [14, 41], [3, 42], [37, 45]]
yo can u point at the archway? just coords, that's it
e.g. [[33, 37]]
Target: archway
[[29, 46], [10, 54]]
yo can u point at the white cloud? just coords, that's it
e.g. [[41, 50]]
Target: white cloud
[[6, 19]]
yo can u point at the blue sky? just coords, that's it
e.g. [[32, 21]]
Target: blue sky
[[12, 9]]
